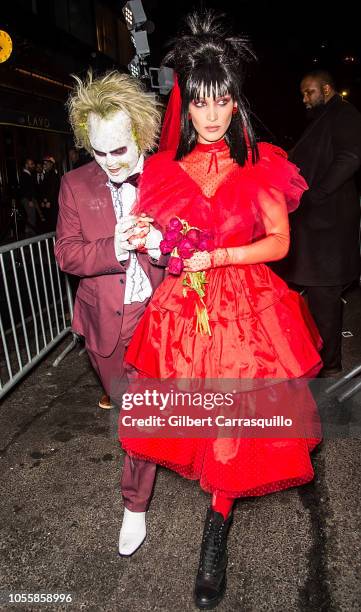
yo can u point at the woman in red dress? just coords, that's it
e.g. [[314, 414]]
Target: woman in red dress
[[219, 180]]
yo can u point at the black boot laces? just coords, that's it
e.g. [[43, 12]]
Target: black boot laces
[[212, 547]]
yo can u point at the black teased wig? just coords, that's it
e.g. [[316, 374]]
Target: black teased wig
[[205, 55]]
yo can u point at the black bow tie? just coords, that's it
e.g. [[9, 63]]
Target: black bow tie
[[133, 179]]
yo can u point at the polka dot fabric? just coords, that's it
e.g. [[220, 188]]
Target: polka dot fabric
[[260, 329], [209, 166]]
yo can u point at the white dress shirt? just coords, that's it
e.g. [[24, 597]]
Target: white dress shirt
[[138, 287]]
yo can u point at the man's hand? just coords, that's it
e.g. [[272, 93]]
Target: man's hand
[[152, 242], [142, 228], [123, 231]]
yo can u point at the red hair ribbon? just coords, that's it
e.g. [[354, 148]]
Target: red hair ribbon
[[169, 138]]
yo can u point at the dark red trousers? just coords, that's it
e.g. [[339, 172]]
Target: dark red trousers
[[138, 476]]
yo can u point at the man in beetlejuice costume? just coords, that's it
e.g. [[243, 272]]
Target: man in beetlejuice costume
[[115, 253]]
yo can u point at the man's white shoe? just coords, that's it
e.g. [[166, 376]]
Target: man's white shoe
[[132, 533]]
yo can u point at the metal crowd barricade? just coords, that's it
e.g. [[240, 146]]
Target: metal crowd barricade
[[352, 388], [36, 307]]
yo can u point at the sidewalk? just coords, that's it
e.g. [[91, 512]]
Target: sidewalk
[[61, 512]]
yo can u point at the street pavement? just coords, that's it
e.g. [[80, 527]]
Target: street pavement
[[61, 509]]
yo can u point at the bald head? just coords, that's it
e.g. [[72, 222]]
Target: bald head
[[317, 88]]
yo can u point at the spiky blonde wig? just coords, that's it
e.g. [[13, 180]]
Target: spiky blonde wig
[[105, 96]]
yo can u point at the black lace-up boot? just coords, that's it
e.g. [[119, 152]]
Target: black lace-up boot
[[211, 578]]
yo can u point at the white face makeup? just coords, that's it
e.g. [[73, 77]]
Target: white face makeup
[[113, 144]]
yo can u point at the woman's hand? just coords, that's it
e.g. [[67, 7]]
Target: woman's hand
[[200, 261], [203, 260]]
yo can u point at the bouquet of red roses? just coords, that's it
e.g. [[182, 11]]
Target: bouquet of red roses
[[182, 241]]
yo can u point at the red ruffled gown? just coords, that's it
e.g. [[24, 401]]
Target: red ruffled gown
[[260, 329]]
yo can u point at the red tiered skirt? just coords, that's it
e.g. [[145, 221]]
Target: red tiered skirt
[[260, 330]]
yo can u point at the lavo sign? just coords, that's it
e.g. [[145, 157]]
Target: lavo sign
[[38, 121]]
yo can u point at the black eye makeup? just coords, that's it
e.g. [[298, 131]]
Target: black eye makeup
[[100, 153], [119, 151], [199, 102], [221, 101]]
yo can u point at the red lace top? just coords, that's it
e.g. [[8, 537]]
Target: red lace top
[[212, 192]]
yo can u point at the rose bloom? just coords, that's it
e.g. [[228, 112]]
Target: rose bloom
[[165, 247], [185, 249], [205, 245], [173, 237], [175, 224], [175, 265], [193, 236]]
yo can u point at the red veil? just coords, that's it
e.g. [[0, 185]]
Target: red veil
[[169, 137]]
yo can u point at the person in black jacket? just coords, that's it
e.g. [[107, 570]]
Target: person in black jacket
[[324, 255], [50, 192], [28, 196]]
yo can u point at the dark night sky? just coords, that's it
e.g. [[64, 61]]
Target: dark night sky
[[287, 38]]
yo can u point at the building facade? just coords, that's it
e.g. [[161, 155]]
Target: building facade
[[50, 41]]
